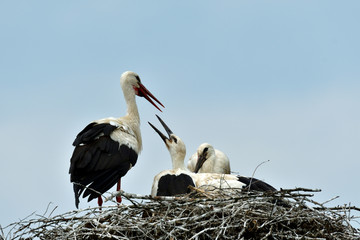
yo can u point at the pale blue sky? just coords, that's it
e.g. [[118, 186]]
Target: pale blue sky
[[259, 80]]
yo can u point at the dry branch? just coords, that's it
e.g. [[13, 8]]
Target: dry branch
[[220, 214]]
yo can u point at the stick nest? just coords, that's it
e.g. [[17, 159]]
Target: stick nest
[[220, 214]]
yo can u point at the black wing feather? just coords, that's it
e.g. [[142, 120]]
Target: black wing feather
[[98, 161], [256, 184], [92, 131], [171, 185]]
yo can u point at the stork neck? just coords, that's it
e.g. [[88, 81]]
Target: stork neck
[[208, 165], [132, 109], [129, 96], [178, 162], [133, 117]]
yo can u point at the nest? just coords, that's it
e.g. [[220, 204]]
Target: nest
[[220, 214]]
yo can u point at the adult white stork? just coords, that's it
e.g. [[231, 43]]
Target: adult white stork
[[207, 159], [106, 149], [177, 180]]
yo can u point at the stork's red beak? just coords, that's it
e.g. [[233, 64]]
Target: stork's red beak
[[143, 92]]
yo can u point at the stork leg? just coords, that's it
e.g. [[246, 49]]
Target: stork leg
[[100, 202], [118, 198]]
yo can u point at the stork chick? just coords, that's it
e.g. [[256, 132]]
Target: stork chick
[[207, 159], [178, 179]]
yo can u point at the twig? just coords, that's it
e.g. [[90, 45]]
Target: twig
[[253, 174]]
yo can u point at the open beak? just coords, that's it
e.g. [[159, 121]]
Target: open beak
[[143, 92], [167, 129], [200, 162]]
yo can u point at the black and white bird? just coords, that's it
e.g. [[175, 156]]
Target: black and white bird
[[178, 179], [207, 159], [106, 149]]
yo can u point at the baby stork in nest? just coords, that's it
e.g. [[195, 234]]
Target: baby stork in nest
[[177, 180], [207, 159]]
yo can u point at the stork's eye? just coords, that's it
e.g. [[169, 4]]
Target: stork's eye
[[206, 149], [138, 78], [175, 140]]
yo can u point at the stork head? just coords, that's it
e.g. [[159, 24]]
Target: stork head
[[173, 143], [204, 152], [130, 81]]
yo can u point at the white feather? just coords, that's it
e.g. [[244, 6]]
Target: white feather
[[216, 162]]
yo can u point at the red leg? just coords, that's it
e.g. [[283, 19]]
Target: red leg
[[100, 202], [118, 198]]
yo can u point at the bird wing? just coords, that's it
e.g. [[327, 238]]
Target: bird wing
[[256, 184], [222, 163], [172, 182], [100, 158], [216, 180]]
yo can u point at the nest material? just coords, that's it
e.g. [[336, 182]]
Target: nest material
[[220, 214]]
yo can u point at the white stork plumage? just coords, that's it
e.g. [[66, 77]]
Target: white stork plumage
[[106, 149], [178, 179], [207, 159]]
